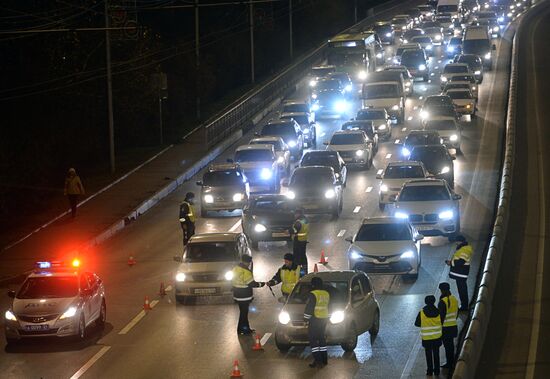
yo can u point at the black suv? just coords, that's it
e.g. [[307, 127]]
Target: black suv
[[327, 158], [437, 161], [416, 62]]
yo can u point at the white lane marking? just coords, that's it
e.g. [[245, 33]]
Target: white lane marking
[[436, 67], [322, 134], [439, 61], [379, 172], [356, 209], [397, 141], [137, 319], [409, 118], [388, 156], [235, 227], [89, 364], [341, 233], [404, 129], [168, 288], [265, 338], [369, 188]]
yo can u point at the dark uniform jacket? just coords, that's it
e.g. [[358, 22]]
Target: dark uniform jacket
[[459, 266]]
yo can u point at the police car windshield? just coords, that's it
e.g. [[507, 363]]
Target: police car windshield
[[222, 178], [211, 252], [424, 193], [383, 232], [44, 287], [402, 172], [253, 155], [338, 292]]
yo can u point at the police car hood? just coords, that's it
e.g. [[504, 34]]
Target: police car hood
[[424, 207], [383, 248], [206, 267], [37, 307]]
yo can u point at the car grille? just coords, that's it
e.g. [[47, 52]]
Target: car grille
[[382, 258], [37, 332], [205, 277], [401, 266], [37, 319], [429, 218], [347, 154]]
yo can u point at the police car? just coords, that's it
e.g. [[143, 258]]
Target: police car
[[55, 300]]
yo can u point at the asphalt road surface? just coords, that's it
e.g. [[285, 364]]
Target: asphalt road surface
[[200, 341]]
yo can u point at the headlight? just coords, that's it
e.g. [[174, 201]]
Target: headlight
[[306, 130], [315, 107], [208, 199], [280, 160], [473, 88], [477, 72], [291, 195], [401, 215], [388, 34], [403, 28], [496, 29], [359, 153], [379, 55], [341, 106], [510, 14], [486, 6], [329, 194], [284, 318], [453, 137], [406, 152], [445, 170], [312, 83], [259, 228], [407, 255], [500, 19], [405, 41], [438, 37], [487, 56], [337, 317], [444, 79], [314, 96], [238, 197], [10, 316], [408, 84], [355, 255], [395, 107], [348, 88], [229, 275], [180, 277], [450, 49], [422, 67], [424, 115], [429, 47], [362, 75], [468, 106], [266, 173], [292, 143], [384, 188], [446, 215], [382, 127], [68, 313]]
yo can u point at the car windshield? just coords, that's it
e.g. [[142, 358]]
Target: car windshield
[[432, 30], [455, 69], [403, 172], [440, 125], [347, 139], [311, 178], [384, 232], [437, 101], [288, 108], [300, 119], [422, 39], [447, 8], [222, 178], [253, 155], [371, 115], [414, 139], [321, 160], [459, 94], [424, 193], [412, 57], [45, 287], [380, 91], [279, 130], [463, 78], [328, 84], [338, 292], [429, 154], [211, 252], [472, 61], [277, 145], [272, 205]]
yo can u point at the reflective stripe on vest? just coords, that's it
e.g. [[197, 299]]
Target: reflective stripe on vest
[[452, 311], [191, 214], [304, 230], [322, 298], [430, 327], [242, 277], [289, 278]]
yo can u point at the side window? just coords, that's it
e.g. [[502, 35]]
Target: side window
[[365, 284], [356, 294], [84, 283], [91, 279]]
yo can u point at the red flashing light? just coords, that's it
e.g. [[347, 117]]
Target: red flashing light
[[76, 262]]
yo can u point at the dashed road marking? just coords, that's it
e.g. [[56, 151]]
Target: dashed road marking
[[409, 118], [356, 209], [137, 319], [404, 129], [379, 172], [369, 188], [420, 97], [397, 141], [235, 227], [265, 338], [341, 233], [90, 363], [168, 288], [388, 156]]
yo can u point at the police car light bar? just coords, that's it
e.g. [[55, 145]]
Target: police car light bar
[[43, 264]]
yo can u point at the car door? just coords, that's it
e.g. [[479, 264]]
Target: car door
[[86, 298], [370, 302], [95, 296], [358, 305]]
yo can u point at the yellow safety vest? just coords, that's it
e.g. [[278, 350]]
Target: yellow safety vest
[[304, 230], [465, 252], [430, 327], [322, 298], [191, 214], [452, 311], [242, 277], [289, 278]]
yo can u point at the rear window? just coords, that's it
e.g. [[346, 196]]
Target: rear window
[[253, 156], [403, 172], [320, 160], [49, 287], [384, 232], [380, 91], [288, 108], [459, 94], [422, 39], [211, 252], [278, 129], [222, 178], [347, 139], [422, 139], [440, 125], [424, 193], [463, 78]]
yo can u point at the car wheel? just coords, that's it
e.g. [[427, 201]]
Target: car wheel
[[381, 206], [283, 347], [375, 327], [351, 339], [81, 329], [100, 322]]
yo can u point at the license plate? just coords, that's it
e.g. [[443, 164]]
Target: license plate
[[36, 327], [348, 159], [204, 291], [280, 234], [427, 227]]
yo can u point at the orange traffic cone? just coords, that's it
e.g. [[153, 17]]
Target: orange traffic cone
[[162, 291], [236, 373], [323, 260], [257, 344], [146, 305], [131, 261], [315, 269]]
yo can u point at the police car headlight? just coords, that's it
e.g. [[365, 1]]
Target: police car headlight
[[329, 194], [228, 275], [453, 138], [487, 56], [446, 215], [337, 317], [315, 107], [401, 215], [395, 107], [291, 195], [238, 197], [266, 174], [292, 143], [284, 318], [388, 34], [10, 316], [450, 49], [477, 72], [341, 106], [348, 87], [312, 83], [445, 170], [406, 152], [354, 255], [422, 67], [407, 255], [362, 75], [180, 277], [379, 55], [383, 188], [359, 153], [208, 199], [280, 160], [496, 29], [382, 127], [259, 228], [68, 313], [306, 130]]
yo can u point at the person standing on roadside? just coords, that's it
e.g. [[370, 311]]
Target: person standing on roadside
[[188, 217], [429, 321], [288, 274], [300, 231], [460, 268], [243, 282], [448, 308], [317, 314], [73, 189]]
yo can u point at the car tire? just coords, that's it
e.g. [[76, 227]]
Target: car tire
[[381, 206], [375, 327], [81, 336], [100, 322], [283, 347], [351, 339]]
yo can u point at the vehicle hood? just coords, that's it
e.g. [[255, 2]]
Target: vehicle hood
[[248, 166], [296, 311], [383, 248], [462, 102], [395, 183], [346, 147], [382, 103], [272, 218], [424, 207], [448, 133], [33, 307], [309, 191], [206, 267]]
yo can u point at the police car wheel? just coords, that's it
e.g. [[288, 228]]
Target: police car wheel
[[100, 322], [351, 339]]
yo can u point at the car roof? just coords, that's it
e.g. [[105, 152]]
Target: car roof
[[314, 168], [384, 220], [214, 237], [330, 276], [348, 132], [223, 167], [425, 182], [294, 102], [255, 147], [404, 163], [290, 114], [57, 272]]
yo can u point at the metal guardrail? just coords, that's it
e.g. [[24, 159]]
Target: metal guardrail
[[239, 114], [477, 329]]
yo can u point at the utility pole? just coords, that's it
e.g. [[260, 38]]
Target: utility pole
[[251, 8], [291, 52], [197, 60], [109, 90], [355, 12]]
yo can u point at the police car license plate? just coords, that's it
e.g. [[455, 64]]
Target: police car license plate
[[204, 291], [33, 328], [280, 234]]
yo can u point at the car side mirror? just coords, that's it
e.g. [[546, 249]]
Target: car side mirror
[[419, 237], [199, 183], [229, 160], [178, 258], [378, 176], [392, 198], [457, 196], [11, 294], [349, 239], [494, 47]]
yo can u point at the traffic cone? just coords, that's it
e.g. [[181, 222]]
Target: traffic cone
[[146, 305], [315, 269], [257, 344], [236, 373], [131, 261], [323, 260], [162, 291]]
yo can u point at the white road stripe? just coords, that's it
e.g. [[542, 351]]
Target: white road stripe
[[409, 118], [397, 141], [341, 233], [168, 288], [356, 209], [368, 189], [379, 172], [436, 67], [235, 227], [89, 364], [388, 156], [265, 338], [322, 134], [404, 129], [137, 319]]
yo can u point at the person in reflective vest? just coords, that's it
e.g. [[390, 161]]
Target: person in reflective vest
[[448, 308], [288, 274], [300, 231], [460, 268], [316, 314], [430, 323], [243, 282], [188, 217]]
